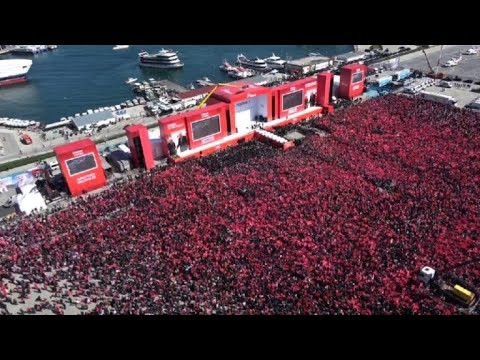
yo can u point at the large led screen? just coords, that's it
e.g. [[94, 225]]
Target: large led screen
[[292, 100], [81, 164], [206, 127]]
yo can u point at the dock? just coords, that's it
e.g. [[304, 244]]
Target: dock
[[170, 85]]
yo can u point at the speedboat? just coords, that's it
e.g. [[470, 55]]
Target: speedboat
[[226, 66], [205, 81], [131, 81], [121, 47]]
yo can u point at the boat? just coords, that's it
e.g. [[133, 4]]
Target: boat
[[257, 64], [240, 73], [120, 47], [275, 62], [14, 71], [131, 81], [314, 54], [226, 66], [52, 47], [164, 59], [16, 123], [205, 81], [28, 49]]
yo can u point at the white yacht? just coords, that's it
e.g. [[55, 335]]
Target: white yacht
[[164, 59], [226, 66], [131, 81], [256, 64], [275, 62]]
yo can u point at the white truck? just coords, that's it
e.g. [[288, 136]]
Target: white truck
[[440, 98]]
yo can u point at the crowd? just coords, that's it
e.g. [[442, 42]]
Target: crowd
[[340, 224]]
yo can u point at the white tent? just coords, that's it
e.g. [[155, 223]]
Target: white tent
[[30, 200]]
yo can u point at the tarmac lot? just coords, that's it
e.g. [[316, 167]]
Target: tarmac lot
[[463, 97], [467, 69]]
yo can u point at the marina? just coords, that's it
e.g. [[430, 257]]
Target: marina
[[159, 98], [99, 75]]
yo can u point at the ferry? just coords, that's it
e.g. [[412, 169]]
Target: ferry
[[257, 64], [164, 59], [14, 71]]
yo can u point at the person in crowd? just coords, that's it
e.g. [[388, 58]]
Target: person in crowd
[[340, 224]]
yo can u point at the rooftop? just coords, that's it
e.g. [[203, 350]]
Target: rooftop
[[91, 119], [73, 146], [309, 60], [196, 92], [352, 55]]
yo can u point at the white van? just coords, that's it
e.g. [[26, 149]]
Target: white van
[[124, 148], [54, 165], [446, 84]]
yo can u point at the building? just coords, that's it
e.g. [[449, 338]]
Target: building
[[307, 65], [351, 57], [92, 120]]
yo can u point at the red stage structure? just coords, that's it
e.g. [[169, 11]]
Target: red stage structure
[[294, 97], [81, 166], [140, 146], [193, 129], [247, 103], [324, 90], [352, 81]]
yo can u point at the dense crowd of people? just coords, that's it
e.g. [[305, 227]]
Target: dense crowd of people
[[340, 224]]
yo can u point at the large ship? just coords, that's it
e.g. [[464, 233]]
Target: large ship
[[257, 64], [14, 71], [275, 62], [164, 59]]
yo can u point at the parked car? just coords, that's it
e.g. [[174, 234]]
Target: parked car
[[26, 139]]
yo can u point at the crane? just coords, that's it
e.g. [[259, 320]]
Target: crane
[[428, 61]]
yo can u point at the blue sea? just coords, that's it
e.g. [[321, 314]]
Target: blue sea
[[75, 78]]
